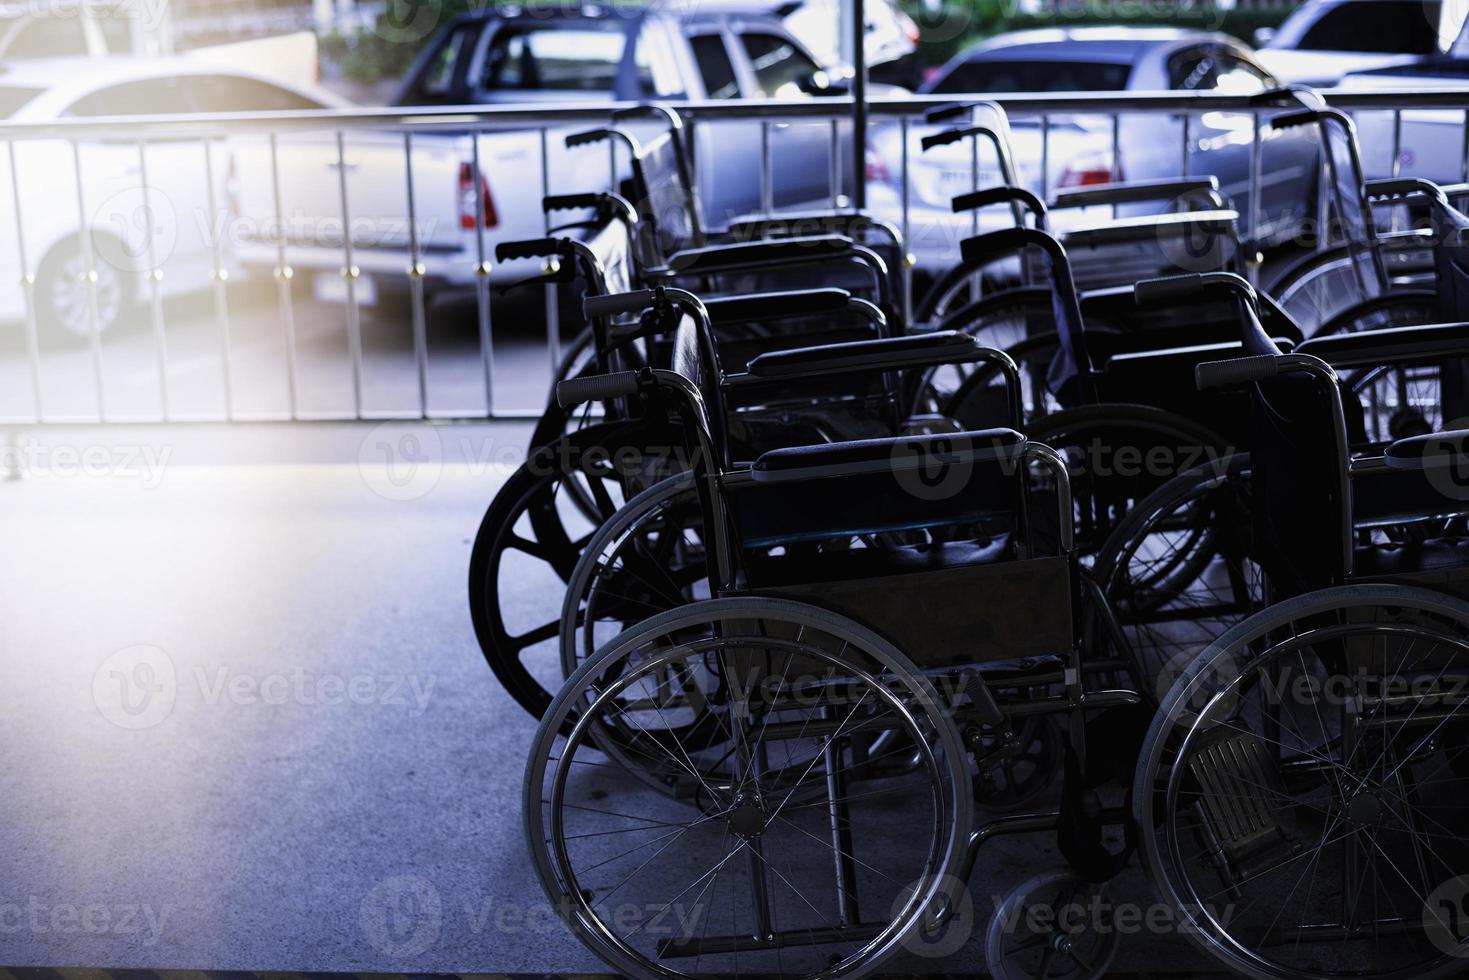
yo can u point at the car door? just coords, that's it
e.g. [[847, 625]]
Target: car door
[[726, 151], [777, 67]]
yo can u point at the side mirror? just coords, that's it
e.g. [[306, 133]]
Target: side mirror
[[1263, 36]]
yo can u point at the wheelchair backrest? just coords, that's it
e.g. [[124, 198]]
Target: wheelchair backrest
[[665, 198], [1302, 497]]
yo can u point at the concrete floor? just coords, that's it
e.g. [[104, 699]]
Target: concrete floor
[[248, 726]]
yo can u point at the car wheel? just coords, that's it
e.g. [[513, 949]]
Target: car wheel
[[62, 294]]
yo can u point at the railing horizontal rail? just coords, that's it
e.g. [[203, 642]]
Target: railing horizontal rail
[[452, 118]]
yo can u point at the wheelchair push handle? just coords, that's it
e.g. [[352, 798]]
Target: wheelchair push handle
[[1172, 289], [1237, 371], [633, 302], [533, 248], [597, 388]]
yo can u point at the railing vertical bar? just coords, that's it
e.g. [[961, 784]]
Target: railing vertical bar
[[283, 274], [350, 273], [1397, 144], [974, 182], [482, 292], [415, 276], [89, 280], [28, 287], [1116, 152], [219, 276], [767, 190], [834, 164], [553, 293], [1187, 145], [1464, 152], [155, 281], [904, 229], [1045, 156], [1251, 219]]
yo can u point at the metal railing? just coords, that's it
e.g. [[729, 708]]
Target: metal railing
[[418, 262]]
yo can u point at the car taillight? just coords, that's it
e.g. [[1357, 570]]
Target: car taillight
[[476, 206], [875, 169], [1087, 176]]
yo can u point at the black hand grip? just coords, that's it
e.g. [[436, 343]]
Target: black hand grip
[[951, 110], [597, 388], [570, 202], [533, 248], [1291, 120], [587, 138], [633, 302], [999, 195], [1238, 371], [943, 139], [1170, 289]]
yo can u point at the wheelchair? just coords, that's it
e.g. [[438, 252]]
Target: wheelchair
[[1305, 768], [1181, 568], [757, 721]]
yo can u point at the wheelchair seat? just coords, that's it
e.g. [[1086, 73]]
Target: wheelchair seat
[[811, 566], [884, 456]]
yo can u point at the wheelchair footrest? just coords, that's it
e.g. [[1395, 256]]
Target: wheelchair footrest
[[1240, 793]]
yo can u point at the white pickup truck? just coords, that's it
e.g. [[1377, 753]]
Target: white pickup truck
[[488, 58]]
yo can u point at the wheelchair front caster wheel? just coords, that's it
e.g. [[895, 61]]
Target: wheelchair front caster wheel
[[1016, 768], [1053, 926]]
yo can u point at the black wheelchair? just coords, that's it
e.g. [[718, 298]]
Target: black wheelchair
[[1300, 794], [776, 779]]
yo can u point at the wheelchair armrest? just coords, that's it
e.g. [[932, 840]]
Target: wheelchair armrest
[[888, 353], [1430, 451], [1391, 188], [887, 455], [1176, 224], [1133, 192], [813, 221], [745, 255], [1391, 345], [795, 302]]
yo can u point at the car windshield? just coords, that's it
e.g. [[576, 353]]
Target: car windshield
[[1034, 76], [12, 97]]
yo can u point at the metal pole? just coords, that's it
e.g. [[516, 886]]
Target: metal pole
[[859, 105]]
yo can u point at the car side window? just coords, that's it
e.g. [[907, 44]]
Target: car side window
[[1207, 70], [234, 93], [782, 71], [438, 74], [1374, 26], [154, 96], [573, 59], [715, 67]]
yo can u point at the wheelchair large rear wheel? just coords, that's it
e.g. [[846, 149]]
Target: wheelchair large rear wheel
[[782, 863], [528, 544], [1301, 798]]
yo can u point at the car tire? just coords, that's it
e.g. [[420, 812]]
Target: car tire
[[61, 294]]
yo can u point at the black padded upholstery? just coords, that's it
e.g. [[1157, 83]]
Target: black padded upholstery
[[914, 350], [1433, 451], [867, 456]]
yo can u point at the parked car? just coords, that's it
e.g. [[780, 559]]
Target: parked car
[[891, 36], [116, 210], [1080, 147], [1430, 141], [1324, 40], [566, 55]]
